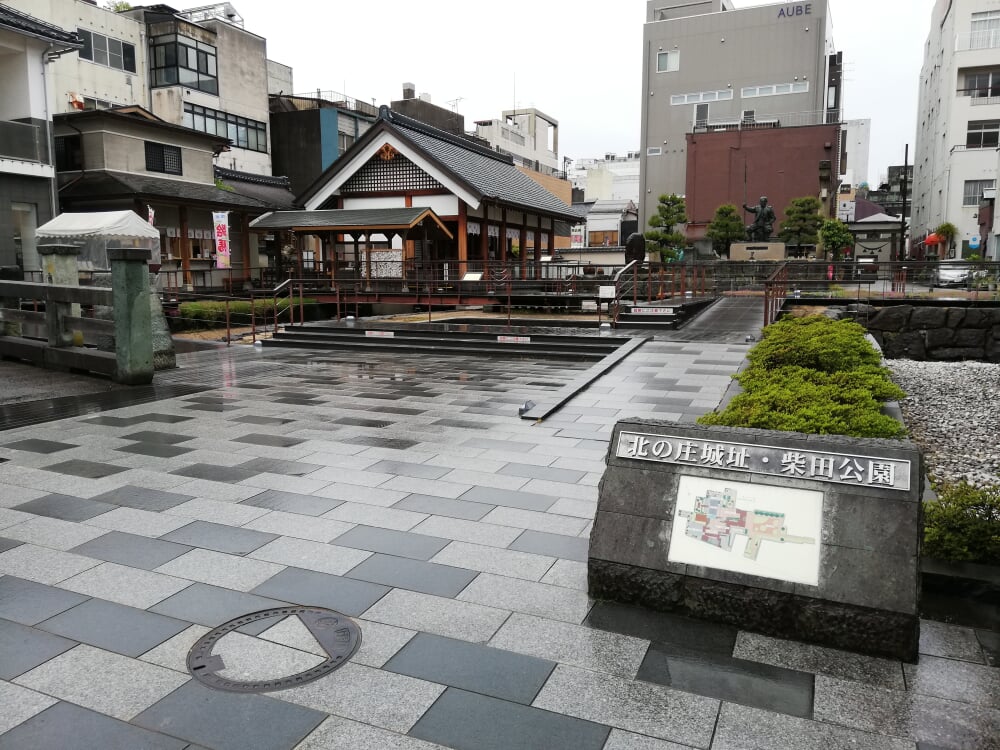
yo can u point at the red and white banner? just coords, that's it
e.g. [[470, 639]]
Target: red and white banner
[[221, 221]]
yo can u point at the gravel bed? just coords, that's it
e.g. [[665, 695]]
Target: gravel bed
[[953, 412]]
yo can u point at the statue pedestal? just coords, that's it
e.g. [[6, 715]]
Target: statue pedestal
[[757, 251]]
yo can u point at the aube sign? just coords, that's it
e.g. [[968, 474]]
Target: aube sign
[[805, 9]]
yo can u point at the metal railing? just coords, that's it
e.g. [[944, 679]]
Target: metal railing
[[972, 40], [769, 120], [20, 140]]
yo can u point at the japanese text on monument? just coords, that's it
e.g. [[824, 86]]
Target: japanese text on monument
[[858, 470]]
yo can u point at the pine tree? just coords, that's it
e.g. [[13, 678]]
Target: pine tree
[[725, 228], [802, 222], [670, 211]]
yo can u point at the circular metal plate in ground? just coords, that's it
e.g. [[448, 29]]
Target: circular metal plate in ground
[[337, 634]]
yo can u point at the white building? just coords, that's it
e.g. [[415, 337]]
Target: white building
[[529, 135], [612, 178], [958, 122], [855, 148]]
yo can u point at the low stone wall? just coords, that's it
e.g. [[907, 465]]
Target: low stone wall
[[938, 333]]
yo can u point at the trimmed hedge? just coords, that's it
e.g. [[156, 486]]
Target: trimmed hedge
[[814, 375], [212, 314], [963, 524]]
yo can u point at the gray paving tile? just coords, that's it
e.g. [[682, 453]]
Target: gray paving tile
[[65, 507], [113, 627], [434, 614], [401, 543], [444, 506], [219, 537], [273, 441], [36, 445], [479, 669], [467, 721], [486, 559], [229, 721], [621, 740], [220, 569], [954, 680], [338, 733], [746, 728], [215, 473], [142, 498], [509, 498], [28, 602], [151, 436], [474, 532], [132, 550], [23, 648], [309, 588], [310, 555], [19, 704], [213, 606], [255, 419], [415, 575], [528, 597], [531, 471], [158, 450], [663, 626], [124, 584], [279, 466], [70, 727], [292, 502], [949, 641], [554, 545], [6, 544], [990, 641], [86, 469]]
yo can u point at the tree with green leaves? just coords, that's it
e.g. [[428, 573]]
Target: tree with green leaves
[[117, 6], [802, 222], [946, 231], [725, 228], [836, 237], [670, 211]]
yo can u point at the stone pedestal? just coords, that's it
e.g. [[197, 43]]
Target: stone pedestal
[[133, 343], [60, 266], [757, 251]]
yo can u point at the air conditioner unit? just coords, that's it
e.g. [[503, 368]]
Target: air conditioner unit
[[748, 115]]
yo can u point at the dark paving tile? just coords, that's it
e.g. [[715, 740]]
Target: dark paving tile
[[29, 603], [362, 422], [379, 395], [554, 545], [297, 401], [444, 506], [415, 575], [216, 407], [209, 399], [396, 444], [988, 639], [69, 727], [160, 450], [23, 648], [272, 441], [151, 436], [86, 469], [508, 498], [293, 502], [212, 606], [500, 445], [467, 721], [662, 626], [114, 627], [142, 498], [215, 473], [530, 471], [402, 543], [109, 421], [463, 424], [219, 537], [65, 507], [309, 588], [6, 544], [161, 418], [132, 550], [785, 691], [251, 419], [34, 445], [229, 721], [472, 667], [279, 466], [406, 469]]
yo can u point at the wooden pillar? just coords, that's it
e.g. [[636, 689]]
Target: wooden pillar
[[503, 236], [484, 235], [551, 243], [463, 238], [523, 246], [185, 244], [536, 248]]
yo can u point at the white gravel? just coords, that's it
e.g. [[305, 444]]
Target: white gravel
[[953, 412]]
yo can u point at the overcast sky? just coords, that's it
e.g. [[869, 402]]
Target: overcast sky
[[578, 61]]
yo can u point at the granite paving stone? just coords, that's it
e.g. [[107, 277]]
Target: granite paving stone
[[20, 704], [23, 648], [36, 445], [65, 507], [220, 569], [503, 562], [229, 721], [551, 473], [434, 614], [401, 543], [217, 511], [747, 728], [10, 517], [990, 641], [562, 489], [362, 477], [15, 495], [954, 680], [127, 686], [28, 603], [370, 515], [443, 506], [213, 606], [473, 667], [572, 644], [220, 491], [172, 653], [468, 721], [555, 545], [114, 627], [338, 733], [142, 498], [215, 473], [949, 641], [510, 498], [292, 502], [568, 574], [301, 527], [309, 555], [528, 597], [69, 727], [219, 537], [474, 532], [406, 468], [87, 469], [125, 585], [131, 550], [355, 493], [621, 740], [159, 450], [549, 523], [41, 564], [302, 485], [153, 436], [379, 642], [309, 588], [52, 532], [137, 522], [634, 706], [6, 544], [437, 487], [414, 575]]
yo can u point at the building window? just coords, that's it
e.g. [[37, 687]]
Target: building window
[[981, 84], [668, 62], [107, 51], [775, 89], [344, 142], [702, 96], [242, 131], [163, 158], [180, 60], [985, 30], [69, 153], [972, 195], [91, 103], [654, 151], [983, 134]]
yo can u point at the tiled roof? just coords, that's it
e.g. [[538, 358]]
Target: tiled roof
[[362, 217], [21, 22], [272, 191], [107, 184]]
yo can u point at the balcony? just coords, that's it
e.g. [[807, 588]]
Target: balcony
[[762, 121], [971, 40], [21, 141]]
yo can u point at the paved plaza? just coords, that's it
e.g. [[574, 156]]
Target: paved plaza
[[406, 493]]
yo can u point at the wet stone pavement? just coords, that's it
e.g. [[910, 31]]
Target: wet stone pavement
[[405, 493]]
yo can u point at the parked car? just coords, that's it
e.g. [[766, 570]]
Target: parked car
[[954, 274]]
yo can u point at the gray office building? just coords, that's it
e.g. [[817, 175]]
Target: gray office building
[[709, 66]]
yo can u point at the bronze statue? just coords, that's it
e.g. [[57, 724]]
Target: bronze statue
[[635, 248], [763, 222]]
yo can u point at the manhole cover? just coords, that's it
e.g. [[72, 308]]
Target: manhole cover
[[337, 635]]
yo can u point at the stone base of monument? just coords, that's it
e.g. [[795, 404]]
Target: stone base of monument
[[808, 537], [757, 251]]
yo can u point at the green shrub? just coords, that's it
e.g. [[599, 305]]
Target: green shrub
[[816, 342], [963, 524], [212, 314]]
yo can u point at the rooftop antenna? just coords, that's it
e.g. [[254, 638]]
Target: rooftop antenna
[[454, 103]]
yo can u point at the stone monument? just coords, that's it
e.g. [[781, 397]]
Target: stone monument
[[763, 221], [635, 248]]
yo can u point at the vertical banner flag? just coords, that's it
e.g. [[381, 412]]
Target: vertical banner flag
[[221, 221], [152, 214]]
